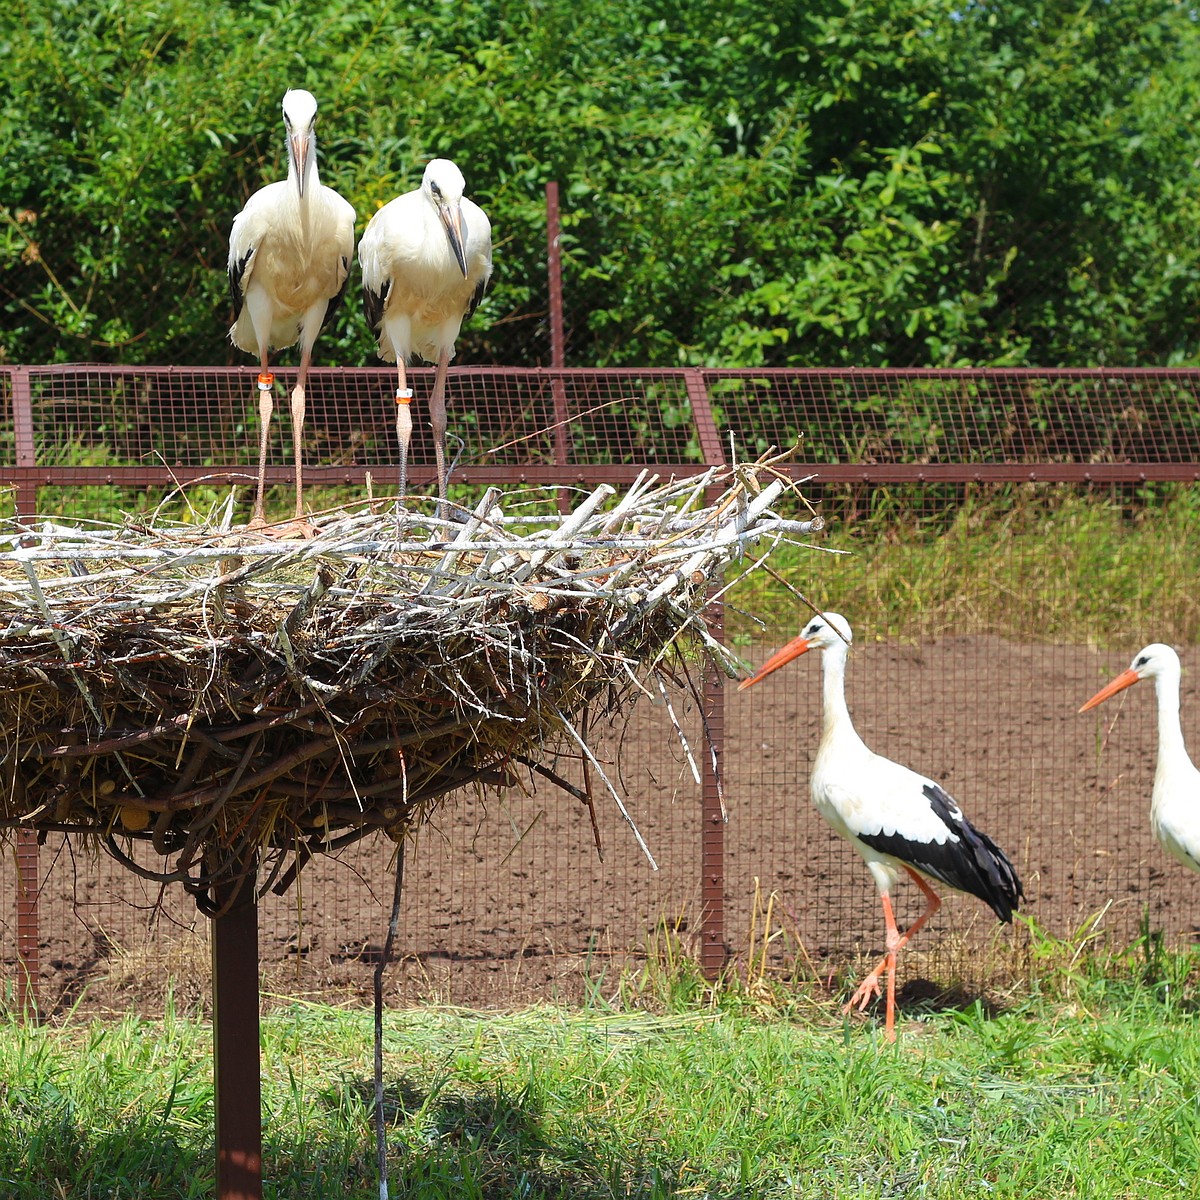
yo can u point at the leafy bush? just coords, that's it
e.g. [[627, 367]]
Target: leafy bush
[[885, 182]]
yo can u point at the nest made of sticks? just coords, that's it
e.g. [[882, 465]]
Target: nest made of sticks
[[236, 698]]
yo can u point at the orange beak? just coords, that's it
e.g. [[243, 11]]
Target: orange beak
[[1122, 681], [794, 648]]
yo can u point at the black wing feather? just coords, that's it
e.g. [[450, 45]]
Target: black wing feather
[[335, 302], [476, 297], [373, 305], [972, 864], [236, 271]]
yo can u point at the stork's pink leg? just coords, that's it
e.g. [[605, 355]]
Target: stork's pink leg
[[266, 406], [403, 422], [896, 941], [437, 420]]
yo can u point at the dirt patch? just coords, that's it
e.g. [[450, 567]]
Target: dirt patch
[[507, 901]]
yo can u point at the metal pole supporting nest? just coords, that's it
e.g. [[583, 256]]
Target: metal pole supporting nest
[[236, 1077]]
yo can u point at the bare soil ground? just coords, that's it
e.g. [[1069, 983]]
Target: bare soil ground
[[507, 901]]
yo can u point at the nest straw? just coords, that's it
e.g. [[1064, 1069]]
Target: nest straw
[[233, 697]]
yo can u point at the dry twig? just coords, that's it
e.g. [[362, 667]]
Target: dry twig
[[229, 696]]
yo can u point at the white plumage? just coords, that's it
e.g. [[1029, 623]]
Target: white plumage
[[289, 259], [1175, 798], [426, 258], [898, 820]]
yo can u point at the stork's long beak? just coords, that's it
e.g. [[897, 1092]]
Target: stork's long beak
[[452, 219], [794, 648], [1122, 681], [300, 144]]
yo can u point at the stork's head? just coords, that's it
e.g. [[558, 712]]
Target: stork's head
[[826, 631], [1152, 662], [443, 185], [300, 118]]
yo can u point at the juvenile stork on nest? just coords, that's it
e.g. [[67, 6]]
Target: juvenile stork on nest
[[426, 258], [289, 259], [897, 820]]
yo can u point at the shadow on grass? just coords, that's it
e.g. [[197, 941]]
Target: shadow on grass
[[461, 1140], [925, 996], [485, 1142]]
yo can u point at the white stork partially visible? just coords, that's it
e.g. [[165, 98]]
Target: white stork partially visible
[[1175, 798], [289, 259], [426, 258], [896, 819]]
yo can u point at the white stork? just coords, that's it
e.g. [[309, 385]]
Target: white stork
[[289, 259], [896, 819], [1175, 798], [426, 258]]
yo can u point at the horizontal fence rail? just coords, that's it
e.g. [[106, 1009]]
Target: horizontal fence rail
[[507, 898]]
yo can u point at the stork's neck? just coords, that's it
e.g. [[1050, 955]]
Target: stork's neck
[[1171, 748], [312, 183], [835, 713]]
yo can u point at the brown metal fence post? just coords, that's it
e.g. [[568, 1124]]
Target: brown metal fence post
[[236, 1074], [28, 958], [712, 800], [558, 351], [28, 924]]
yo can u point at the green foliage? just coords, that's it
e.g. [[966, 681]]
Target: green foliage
[[1096, 1098], [892, 181], [993, 560]]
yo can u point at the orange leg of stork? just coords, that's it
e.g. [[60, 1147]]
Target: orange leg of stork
[[298, 407], [896, 941], [266, 406], [437, 421], [403, 421]]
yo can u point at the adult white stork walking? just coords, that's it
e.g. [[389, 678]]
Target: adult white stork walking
[[289, 259], [896, 819], [426, 258], [1175, 798]]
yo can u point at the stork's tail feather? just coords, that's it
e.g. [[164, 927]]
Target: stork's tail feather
[[999, 887]]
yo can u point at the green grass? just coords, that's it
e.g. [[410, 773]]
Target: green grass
[[1044, 562], [1087, 1085]]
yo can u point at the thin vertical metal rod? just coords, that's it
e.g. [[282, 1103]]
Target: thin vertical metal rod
[[554, 271], [236, 1077], [558, 350], [385, 958]]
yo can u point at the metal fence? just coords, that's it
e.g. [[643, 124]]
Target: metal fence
[[506, 898]]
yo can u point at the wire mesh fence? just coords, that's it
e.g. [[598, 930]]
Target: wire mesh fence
[[507, 898]]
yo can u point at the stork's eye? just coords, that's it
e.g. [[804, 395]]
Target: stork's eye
[[1141, 662], [433, 187]]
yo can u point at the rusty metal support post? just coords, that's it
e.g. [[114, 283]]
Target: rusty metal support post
[[712, 805], [28, 917], [28, 936], [25, 493], [558, 350], [237, 1082], [712, 800]]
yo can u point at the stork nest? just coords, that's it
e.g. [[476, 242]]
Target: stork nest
[[245, 700]]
